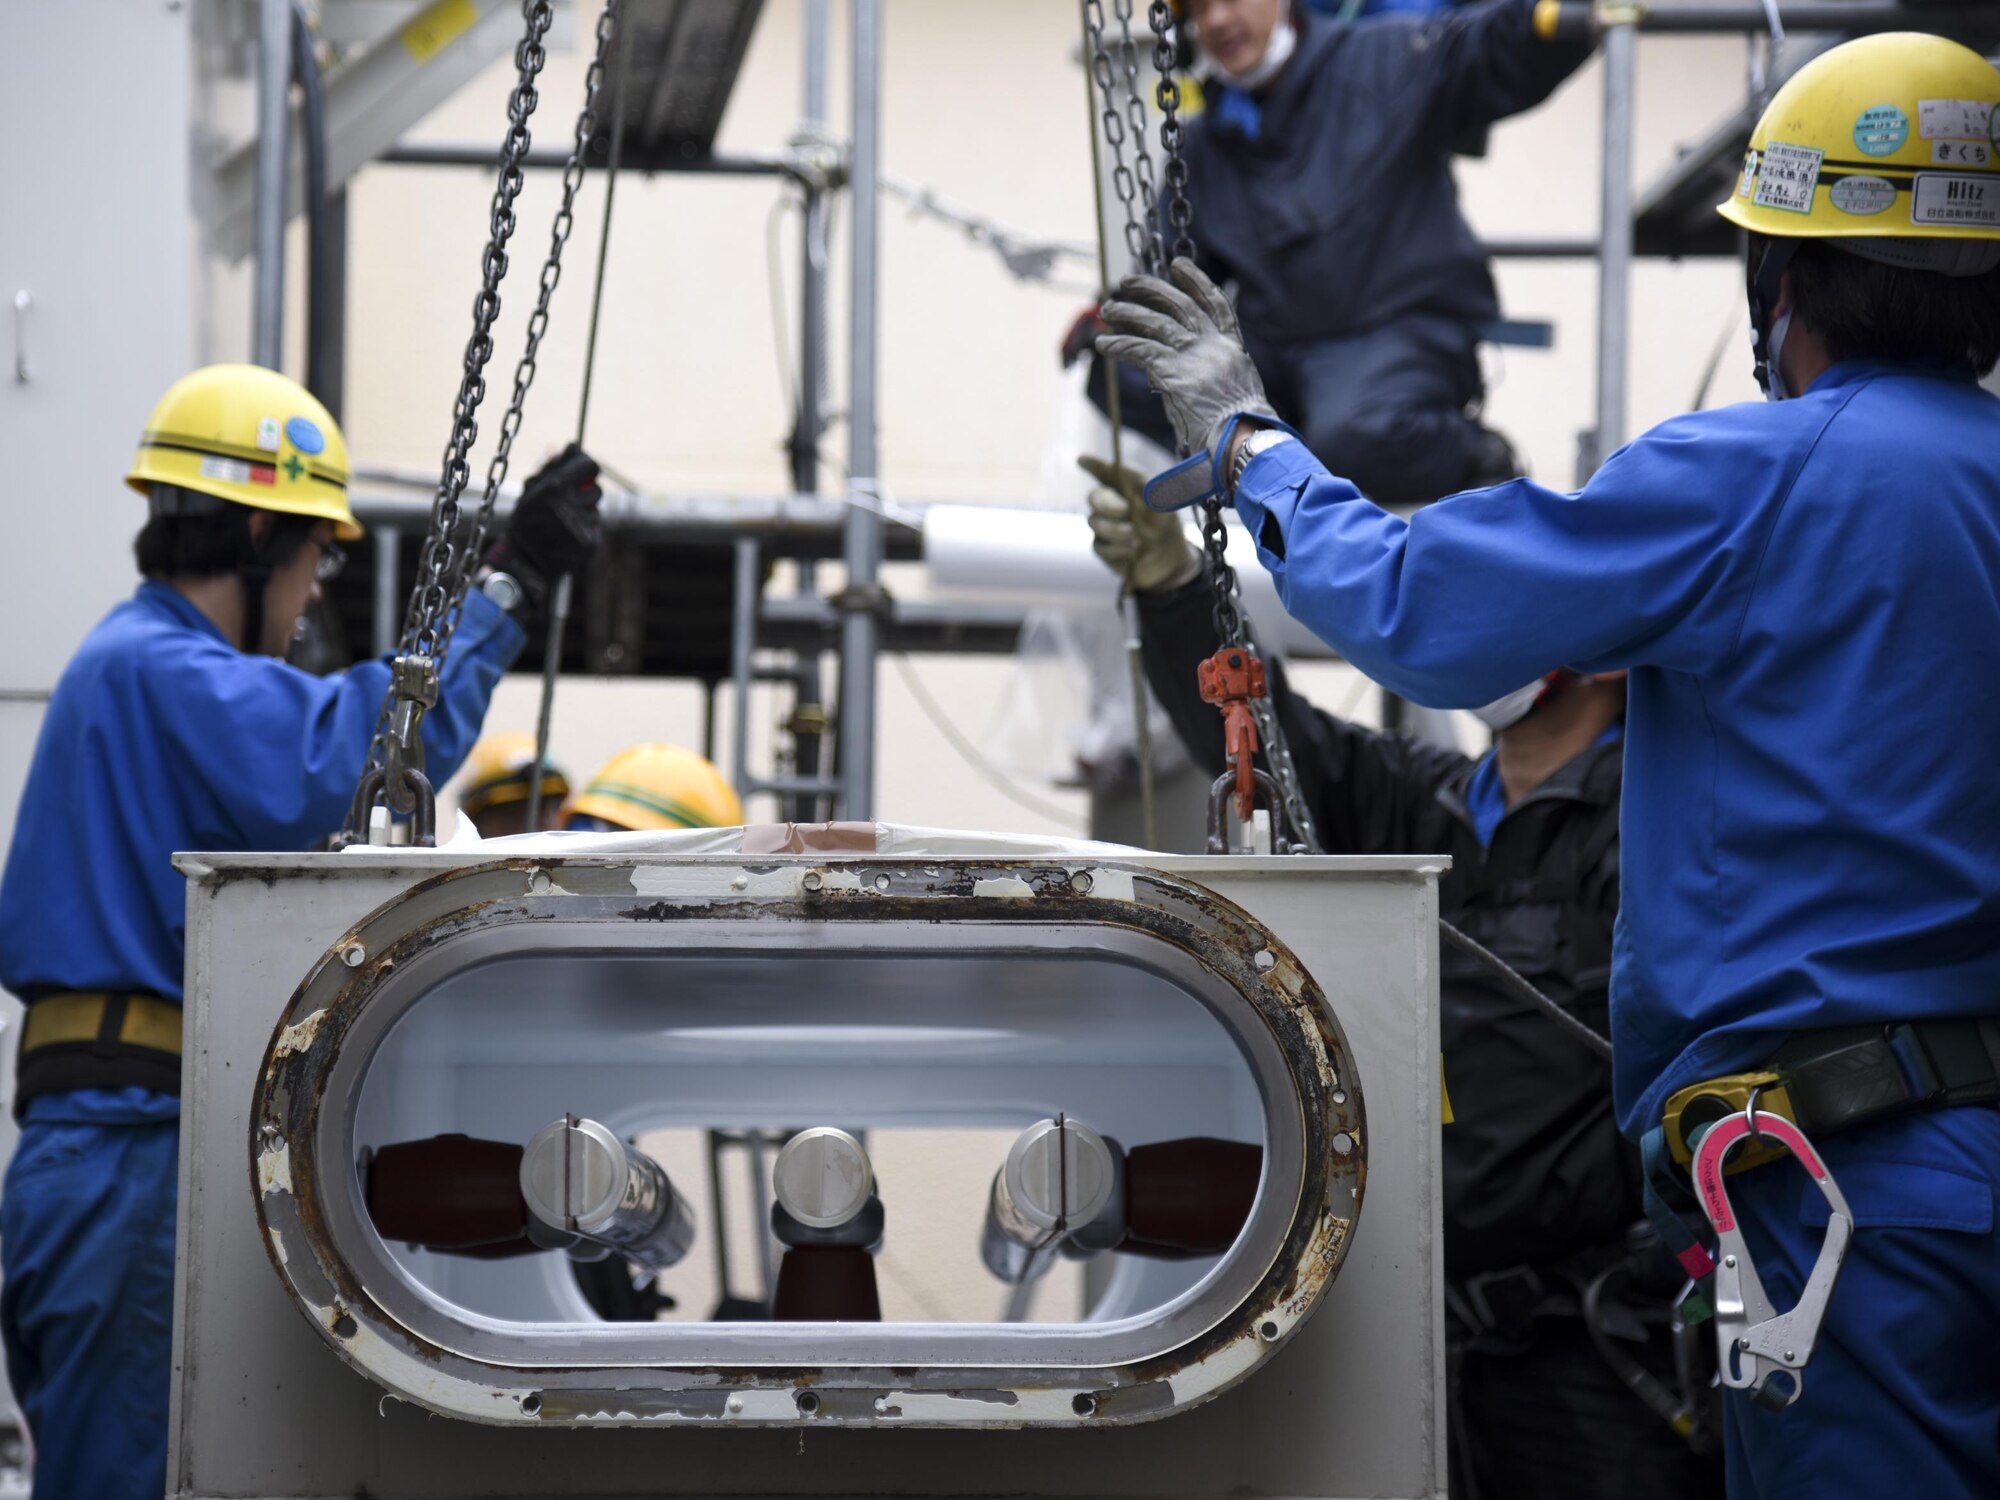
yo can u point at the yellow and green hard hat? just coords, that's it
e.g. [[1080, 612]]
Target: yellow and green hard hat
[[248, 435], [1891, 137], [498, 773], [658, 786]]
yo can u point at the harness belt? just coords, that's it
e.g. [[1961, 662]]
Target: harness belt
[[94, 1039], [1819, 1083], [1842, 1078]]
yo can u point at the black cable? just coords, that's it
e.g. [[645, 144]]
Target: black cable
[[1520, 989]]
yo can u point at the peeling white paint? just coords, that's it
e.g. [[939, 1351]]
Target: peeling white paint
[[274, 1171], [1012, 887], [1113, 885], [298, 1038], [278, 1247]]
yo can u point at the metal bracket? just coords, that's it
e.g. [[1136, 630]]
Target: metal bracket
[[415, 684], [864, 599]]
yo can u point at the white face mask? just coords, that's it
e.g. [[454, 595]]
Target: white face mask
[[1505, 713], [1277, 52], [1774, 374]]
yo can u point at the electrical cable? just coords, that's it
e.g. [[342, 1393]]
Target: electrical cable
[[1000, 781], [1514, 984]]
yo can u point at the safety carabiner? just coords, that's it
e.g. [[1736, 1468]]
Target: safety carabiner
[[1754, 1342]]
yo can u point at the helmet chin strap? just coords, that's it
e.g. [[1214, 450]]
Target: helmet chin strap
[[255, 573], [1764, 281]]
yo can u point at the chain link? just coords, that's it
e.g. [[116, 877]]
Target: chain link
[[1167, 93], [1133, 183], [452, 548]]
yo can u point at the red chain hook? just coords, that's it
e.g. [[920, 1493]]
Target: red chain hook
[[1230, 680]]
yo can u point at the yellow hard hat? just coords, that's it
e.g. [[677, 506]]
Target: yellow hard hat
[[497, 772], [1889, 137], [249, 435], [658, 786]]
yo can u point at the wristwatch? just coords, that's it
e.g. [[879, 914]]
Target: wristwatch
[[504, 589], [1257, 442]]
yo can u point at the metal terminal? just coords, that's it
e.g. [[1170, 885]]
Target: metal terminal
[[579, 1180], [822, 1177], [1061, 1179]]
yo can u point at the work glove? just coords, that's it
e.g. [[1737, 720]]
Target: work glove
[[1184, 336], [1147, 548], [555, 525]]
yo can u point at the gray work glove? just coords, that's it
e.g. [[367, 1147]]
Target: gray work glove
[[1185, 338], [1148, 549]]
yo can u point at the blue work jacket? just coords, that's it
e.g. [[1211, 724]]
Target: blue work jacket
[[162, 736], [1807, 594]]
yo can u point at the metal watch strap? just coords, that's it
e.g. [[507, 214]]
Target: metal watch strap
[[1253, 444]]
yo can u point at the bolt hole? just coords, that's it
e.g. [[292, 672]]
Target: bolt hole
[[1268, 1331], [531, 1404], [1265, 960], [1340, 1096], [1081, 882], [881, 882], [808, 1403], [345, 1326], [812, 880], [1343, 1144], [1083, 1404]]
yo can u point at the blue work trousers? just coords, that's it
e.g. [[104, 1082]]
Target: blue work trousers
[[87, 1249], [1902, 1396]]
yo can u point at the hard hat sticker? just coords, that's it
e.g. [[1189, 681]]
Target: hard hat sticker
[[305, 435], [1881, 131], [228, 470], [1955, 119], [1951, 198], [267, 434], [1788, 177], [1746, 183], [1961, 154], [1862, 195]]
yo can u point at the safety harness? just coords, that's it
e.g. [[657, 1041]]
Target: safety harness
[[1819, 1084]]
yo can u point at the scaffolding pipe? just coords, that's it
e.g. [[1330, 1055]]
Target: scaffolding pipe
[[812, 271], [388, 540], [274, 97], [1614, 271], [742, 658], [863, 543]]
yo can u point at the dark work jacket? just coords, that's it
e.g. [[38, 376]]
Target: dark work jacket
[[1534, 1167], [1342, 215]]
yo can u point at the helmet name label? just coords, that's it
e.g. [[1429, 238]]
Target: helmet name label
[[1787, 177], [1955, 119], [1881, 130], [1862, 195], [1961, 154], [1948, 198]]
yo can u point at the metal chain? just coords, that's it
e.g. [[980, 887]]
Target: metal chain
[[1141, 237], [538, 320], [1232, 621], [452, 548], [1167, 93], [1155, 260]]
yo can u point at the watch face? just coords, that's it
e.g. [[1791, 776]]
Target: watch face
[[503, 589]]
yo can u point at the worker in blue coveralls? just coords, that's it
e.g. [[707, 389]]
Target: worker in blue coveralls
[[177, 727], [1807, 595], [1319, 172]]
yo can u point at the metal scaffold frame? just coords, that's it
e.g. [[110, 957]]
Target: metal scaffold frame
[[866, 620]]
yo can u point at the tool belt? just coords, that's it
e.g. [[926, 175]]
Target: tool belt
[[95, 1039], [1839, 1079]]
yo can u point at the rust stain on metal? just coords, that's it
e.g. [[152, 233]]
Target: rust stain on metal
[[1220, 935]]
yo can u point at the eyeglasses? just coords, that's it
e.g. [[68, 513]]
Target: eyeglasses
[[332, 558]]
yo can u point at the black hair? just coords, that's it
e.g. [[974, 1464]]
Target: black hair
[[208, 546], [1863, 309]]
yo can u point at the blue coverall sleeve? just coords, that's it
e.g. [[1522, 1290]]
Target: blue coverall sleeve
[[273, 753], [1652, 563]]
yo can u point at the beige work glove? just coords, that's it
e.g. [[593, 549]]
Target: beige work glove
[[1148, 549]]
